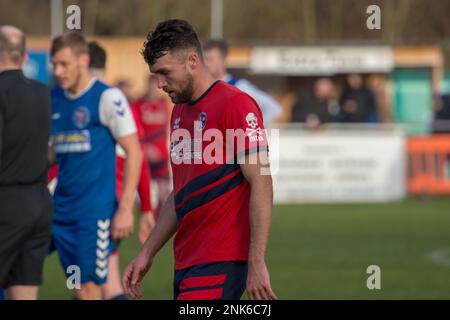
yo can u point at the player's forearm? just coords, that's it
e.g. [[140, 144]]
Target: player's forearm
[[51, 156], [132, 169], [165, 228], [261, 201]]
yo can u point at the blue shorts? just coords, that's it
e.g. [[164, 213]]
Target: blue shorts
[[211, 281], [86, 244]]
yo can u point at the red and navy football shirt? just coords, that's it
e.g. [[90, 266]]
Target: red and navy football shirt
[[211, 194]]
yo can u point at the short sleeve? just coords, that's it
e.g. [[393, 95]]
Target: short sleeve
[[115, 113], [245, 133]]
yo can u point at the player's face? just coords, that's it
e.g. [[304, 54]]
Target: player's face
[[355, 81], [152, 86], [128, 90], [67, 67], [174, 76], [215, 62]]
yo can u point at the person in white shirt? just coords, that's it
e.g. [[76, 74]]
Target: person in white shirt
[[215, 54]]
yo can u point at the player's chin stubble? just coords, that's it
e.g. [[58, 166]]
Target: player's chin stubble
[[186, 93]]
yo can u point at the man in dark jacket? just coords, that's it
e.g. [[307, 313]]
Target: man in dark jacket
[[316, 106], [25, 203], [358, 102]]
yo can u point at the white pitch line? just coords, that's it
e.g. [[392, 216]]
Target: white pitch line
[[441, 257]]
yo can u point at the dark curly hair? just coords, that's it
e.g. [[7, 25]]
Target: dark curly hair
[[97, 55], [169, 36]]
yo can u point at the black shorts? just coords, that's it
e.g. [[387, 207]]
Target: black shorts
[[25, 233], [211, 281]]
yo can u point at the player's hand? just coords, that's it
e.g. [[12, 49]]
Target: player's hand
[[146, 224], [258, 282], [122, 225], [134, 273]]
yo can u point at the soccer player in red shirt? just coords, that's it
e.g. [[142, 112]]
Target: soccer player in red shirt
[[220, 210], [153, 112]]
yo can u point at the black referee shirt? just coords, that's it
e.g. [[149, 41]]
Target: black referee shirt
[[25, 112]]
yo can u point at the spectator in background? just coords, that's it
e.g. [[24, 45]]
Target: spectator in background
[[441, 121], [126, 86], [357, 101], [215, 53], [317, 106]]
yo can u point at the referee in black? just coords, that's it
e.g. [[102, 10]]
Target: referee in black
[[25, 203]]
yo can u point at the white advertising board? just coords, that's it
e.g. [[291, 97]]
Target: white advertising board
[[321, 60], [338, 166]]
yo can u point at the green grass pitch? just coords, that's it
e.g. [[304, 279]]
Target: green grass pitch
[[322, 251]]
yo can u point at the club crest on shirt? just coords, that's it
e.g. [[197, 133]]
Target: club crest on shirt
[[200, 124], [176, 123], [81, 117]]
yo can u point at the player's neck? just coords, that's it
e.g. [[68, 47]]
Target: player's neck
[[98, 74], [222, 75], [9, 67], [150, 96], [203, 83], [82, 84]]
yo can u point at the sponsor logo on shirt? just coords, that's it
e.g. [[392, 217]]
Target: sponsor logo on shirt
[[56, 116], [72, 141]]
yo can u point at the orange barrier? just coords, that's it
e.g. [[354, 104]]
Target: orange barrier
[[429, 164]]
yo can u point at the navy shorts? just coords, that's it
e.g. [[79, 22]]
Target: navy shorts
[[211, 281], [86, 244]]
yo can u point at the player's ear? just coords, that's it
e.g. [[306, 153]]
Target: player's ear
[[24, 59], [85, 60], [193, 60]]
